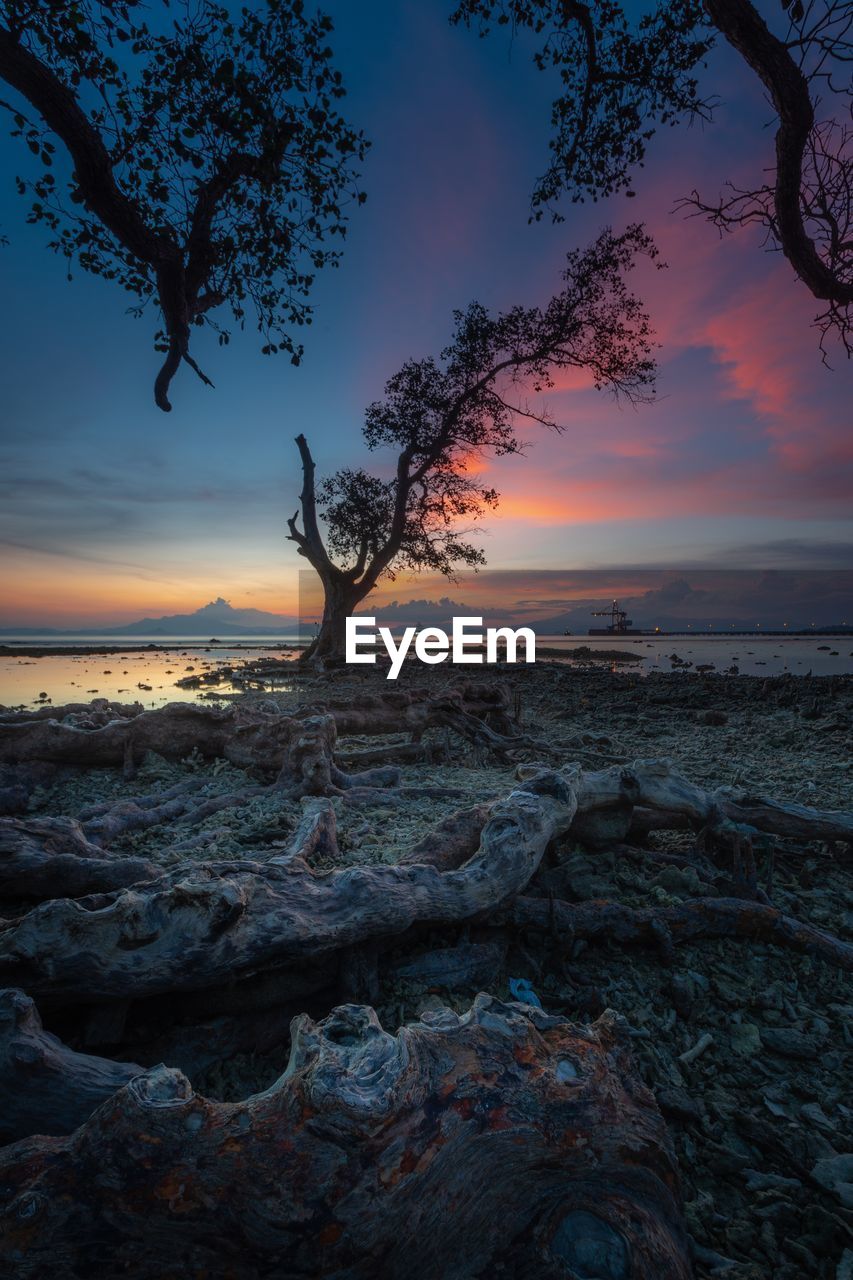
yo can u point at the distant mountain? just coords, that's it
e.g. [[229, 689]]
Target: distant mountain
[[210, 620], [213, 620]]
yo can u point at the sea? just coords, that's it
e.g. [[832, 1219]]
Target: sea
[[147, 671]]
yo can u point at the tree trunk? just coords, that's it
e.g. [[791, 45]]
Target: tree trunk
[[504, 1140], [340, 600]]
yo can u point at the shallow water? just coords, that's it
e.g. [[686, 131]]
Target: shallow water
[[753, 655], [150, 677]]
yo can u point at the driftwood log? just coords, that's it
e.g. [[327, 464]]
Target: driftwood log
[[53, 858], [205, 924], [44, 1086], [105, 734], [505, 1140], [211, 922]]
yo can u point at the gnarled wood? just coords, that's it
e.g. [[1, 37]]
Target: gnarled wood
[[502, 1138], [106, 734], [203, 924], [656, 788], [452, 841], [44, 1086], [52, 858]]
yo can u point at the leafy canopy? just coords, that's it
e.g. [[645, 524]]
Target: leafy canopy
[[625, 69], [210, 166], [440, 418], [621, 75]]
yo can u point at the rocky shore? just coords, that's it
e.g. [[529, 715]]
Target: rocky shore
[[745, 1045]]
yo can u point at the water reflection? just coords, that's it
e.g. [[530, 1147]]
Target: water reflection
[[200, 673], [150, 678]]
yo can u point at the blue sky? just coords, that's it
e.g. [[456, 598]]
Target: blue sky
[[111, 510]]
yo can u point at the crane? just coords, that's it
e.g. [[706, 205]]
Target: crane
[[619, 620]]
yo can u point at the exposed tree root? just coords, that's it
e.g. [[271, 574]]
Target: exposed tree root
[[666, 927], [506, 1135], [52, 858], [655, 787], [453, 841], [199, 925], [44, 1086], [105, 734], [103, 823]]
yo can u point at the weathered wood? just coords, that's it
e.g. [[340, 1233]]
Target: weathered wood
[[44, 1086], [656, 788], [206, 923], [308, 765], [202, 924], [502, 1140], [101, 734], [473, 964], [413, 710], [398, 752], [687, 922], [103, 823], [52, 858], [452, 841]]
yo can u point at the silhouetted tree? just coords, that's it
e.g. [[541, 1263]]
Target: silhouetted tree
[[622, 76], [209, 166], [440, 416]]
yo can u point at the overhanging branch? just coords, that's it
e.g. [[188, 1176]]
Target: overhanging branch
[[745, 30]]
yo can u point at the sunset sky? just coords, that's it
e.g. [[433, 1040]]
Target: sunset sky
[[111, 510]]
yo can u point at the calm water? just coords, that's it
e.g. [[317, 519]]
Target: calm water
[[151, 677], [752, 655]]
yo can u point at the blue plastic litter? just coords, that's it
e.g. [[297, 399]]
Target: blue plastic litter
[[522, 990]]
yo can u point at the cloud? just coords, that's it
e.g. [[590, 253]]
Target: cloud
[[652, 597]]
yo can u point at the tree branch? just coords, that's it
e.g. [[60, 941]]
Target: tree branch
[[93, 168], [745, 30], [238, 165], [179, 287], [310, 542]]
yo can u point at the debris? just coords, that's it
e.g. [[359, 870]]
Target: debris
[[690, 1055]]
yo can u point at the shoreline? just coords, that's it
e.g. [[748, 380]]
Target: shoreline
[[86, 651]]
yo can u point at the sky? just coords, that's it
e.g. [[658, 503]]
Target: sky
[[111, 510], [559, 601]]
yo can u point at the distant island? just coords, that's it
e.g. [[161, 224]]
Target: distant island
[[219, 620]]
